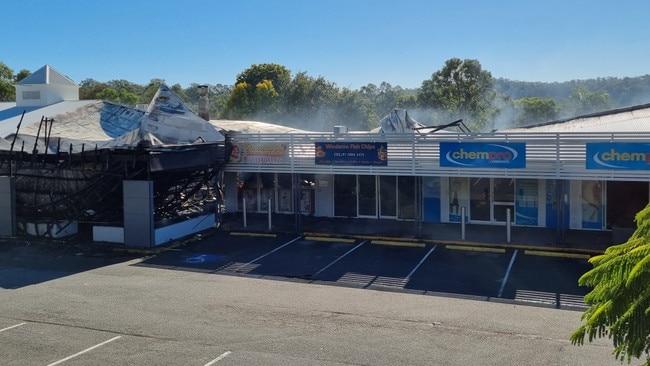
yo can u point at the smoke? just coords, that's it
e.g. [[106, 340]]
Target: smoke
[[506, 118]]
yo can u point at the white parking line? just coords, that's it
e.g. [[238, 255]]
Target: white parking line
[[422, 261], [84, 351], [12, 327], [223, 355], [505, 278], [264, 255], [339, 258]]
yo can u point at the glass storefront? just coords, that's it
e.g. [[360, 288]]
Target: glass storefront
[[375, 196], [257, 190]]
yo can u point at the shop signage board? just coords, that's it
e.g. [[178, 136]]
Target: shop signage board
[[351, 153], [618, 156], [263, 153], [483, 154]]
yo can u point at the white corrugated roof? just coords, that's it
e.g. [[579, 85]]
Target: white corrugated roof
[[631, 119], [10, 117], [253, 127]]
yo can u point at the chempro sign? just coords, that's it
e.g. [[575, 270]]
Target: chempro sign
[[483, 154], [620, 156]]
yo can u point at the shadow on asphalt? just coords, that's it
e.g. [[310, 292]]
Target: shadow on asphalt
[[24, 263]]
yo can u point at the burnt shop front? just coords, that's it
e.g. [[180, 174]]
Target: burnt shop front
[[584, 184]]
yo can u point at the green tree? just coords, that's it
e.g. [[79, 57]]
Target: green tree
[[266, 97], [386, 97], [304, 96], [7, 90], [150, 90], [109, 94], [127, 86], [128, 98], [355, 111], [619, 302], [91, 89], [254, 88], [584, 101], [461, 89], [279, 76], [535, 110], [121, 96], [218, 97], [22, 74], [239, 105]]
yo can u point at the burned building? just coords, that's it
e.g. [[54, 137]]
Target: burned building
[[105, 165]]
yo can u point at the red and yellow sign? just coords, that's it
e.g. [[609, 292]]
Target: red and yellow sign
[[260, 154]]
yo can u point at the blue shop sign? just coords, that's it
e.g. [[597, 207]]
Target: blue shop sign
[[483, 154], [623, 156], [351, 153]]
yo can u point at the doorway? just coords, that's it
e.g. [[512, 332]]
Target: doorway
[[345, 195], [490, 199], [624, 200], [367, 196]]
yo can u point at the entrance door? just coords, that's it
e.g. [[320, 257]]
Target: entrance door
[[503, 199], [624, 200], [406, 198], [479, 199], [490, 198], [367, 196], [345, 195], [387, 196]]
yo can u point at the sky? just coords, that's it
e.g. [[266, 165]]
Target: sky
[[352, 43]]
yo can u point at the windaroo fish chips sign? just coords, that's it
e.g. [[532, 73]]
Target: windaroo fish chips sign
[[483, 154], [357, 153]]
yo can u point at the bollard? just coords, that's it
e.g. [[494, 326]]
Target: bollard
[[268, 206], [508, 225], [244, 209], [462, 222]]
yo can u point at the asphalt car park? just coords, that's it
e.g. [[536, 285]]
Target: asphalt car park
[[509, 274], [233, 299], [53, 344]]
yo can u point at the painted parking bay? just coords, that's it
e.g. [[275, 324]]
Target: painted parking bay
[[302, 258], [539, 278], [463, 270], [376, 264], [220, 252]]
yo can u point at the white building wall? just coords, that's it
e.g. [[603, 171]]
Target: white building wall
[[48, 94]]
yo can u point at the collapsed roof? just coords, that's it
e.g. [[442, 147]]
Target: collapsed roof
[[71, 166], [398, 121], [105, 125]]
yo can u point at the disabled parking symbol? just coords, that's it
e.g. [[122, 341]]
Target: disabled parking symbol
[[202, 258]]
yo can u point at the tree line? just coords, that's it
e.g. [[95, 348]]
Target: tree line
[[461, 89]]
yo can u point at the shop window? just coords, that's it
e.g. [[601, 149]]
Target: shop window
[[247, 191], [367, 195], [406, 197], [345, 195], [307, 194], [285, 193], [267, 190]]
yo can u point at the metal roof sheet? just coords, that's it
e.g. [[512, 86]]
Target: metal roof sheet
[[47, 75], [631, 119], [10, 117]]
